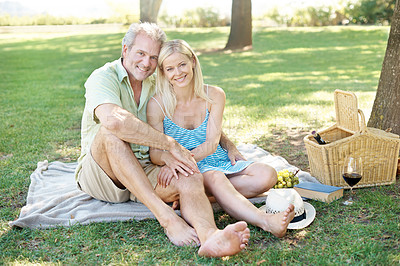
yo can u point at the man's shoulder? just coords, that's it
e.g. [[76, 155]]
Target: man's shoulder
[[110, 68], [110, 72]]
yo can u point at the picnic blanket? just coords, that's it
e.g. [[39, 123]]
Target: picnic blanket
[[54, 200]]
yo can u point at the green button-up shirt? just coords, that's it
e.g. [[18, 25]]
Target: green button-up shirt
[[110, 84]]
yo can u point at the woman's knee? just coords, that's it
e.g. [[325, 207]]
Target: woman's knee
[[214, 177], [266, 174]]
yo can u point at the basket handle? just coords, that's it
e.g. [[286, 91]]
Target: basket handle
[[363, 125]]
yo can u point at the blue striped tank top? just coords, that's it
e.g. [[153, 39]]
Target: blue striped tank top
[[191, 138]]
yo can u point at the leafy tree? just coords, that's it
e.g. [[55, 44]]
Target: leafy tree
[[386, 109], [371, 11], [241, 25]]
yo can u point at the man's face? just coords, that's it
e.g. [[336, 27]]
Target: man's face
[[141, 60]]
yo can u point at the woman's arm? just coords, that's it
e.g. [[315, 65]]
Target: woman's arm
[[233, 153], [213, 136], [155, 118]]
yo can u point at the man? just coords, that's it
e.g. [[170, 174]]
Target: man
[[114, 165]]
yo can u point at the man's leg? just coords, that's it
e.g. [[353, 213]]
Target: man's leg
[[236, 205], [197, 211], [117, 160]]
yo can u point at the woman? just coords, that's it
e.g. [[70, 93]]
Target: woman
[[192, 112]]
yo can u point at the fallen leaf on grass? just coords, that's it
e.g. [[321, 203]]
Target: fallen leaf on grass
[[5, 156], [261, 261]]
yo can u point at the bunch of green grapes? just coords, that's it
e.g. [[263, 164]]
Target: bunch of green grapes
[[286, 179]]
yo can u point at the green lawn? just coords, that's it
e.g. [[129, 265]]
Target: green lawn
[[276, 93]]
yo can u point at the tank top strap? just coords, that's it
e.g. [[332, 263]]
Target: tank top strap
[[159, 104], [207, 96]]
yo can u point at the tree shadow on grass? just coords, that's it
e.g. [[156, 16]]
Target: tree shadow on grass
[[287, 143]]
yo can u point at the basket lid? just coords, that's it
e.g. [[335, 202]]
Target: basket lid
[[346, 110]]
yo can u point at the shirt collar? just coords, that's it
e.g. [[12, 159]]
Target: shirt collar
[[148, 85], [121, 71]]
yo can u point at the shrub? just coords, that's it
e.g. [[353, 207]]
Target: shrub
[[199, 17], [351, 11], [370, 11]]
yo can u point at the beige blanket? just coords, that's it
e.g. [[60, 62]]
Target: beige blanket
[[54, 200]]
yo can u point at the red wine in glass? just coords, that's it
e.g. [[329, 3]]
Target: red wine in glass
[[352, 174], [352, 178]]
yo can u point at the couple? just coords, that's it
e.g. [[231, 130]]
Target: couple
[[183, 138]]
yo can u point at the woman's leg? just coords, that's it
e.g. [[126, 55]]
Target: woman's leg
[[257, 178], [236, 205]]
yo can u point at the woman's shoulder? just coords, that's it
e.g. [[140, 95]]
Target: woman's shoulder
[[155, 98], [214, 91], [154, 105]]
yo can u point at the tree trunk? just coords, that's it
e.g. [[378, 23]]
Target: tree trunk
[[386, 109], [241, 25], [149, 10]]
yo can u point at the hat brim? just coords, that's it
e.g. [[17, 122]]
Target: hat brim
[[310, 216]]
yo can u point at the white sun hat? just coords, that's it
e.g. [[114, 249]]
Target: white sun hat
[[278, 200]]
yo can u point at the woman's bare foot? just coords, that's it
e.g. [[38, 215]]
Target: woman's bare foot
[[277, 223], [229, 241], [181, 234]]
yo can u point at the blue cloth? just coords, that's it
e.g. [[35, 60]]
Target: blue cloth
[[191, 138]]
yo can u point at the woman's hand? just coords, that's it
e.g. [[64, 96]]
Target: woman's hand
[[165, 176], [235, 155]]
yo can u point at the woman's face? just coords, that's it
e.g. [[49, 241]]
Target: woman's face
[[178, 69]]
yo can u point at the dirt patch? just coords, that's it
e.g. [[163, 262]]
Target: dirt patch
[[289, 144]]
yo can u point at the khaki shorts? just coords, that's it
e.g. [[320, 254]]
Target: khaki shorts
[[95, 182]]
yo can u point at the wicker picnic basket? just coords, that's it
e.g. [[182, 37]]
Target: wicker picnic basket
[[378, 149]]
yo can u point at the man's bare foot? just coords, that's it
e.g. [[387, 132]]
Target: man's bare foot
[[181, 234], [277, 223], [229, 241]]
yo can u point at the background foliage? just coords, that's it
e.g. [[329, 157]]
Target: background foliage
[[378, 12]]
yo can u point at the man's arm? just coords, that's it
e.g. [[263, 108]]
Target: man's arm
[[129, 128], [233, 153]]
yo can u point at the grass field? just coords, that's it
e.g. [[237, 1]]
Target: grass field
[[276, 93]]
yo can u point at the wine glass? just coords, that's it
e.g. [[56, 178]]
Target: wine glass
[[352, 174]]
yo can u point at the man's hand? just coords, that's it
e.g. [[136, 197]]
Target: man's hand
[[186, 157], [175, 165]]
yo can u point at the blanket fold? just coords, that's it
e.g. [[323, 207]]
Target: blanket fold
[[54, 200]]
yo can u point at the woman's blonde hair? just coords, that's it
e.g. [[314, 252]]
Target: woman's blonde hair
[[163, 88]]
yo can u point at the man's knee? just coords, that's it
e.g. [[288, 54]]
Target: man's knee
[[106, 136], [106, 141], [183, 185], [193, 182]]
